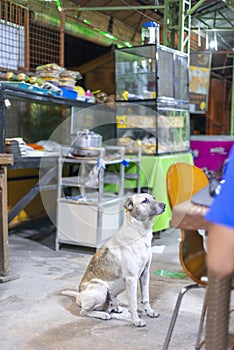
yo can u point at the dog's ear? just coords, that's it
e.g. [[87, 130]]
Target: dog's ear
[[128, 204]]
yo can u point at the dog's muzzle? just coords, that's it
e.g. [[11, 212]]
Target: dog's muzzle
[[163, 206], [160, 207]]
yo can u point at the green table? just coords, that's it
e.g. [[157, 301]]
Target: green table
[[153, 175]]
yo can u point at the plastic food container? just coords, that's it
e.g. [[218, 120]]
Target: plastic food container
[[150, 33]]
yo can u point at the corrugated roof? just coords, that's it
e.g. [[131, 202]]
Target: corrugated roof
[[210, 16]]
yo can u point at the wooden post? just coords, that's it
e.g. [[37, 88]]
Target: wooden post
[[5, 159], [62, 34]]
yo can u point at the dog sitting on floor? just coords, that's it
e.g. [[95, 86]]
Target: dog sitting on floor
[[120, 263]]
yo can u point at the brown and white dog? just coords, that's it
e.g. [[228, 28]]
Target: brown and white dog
[[120, 263]]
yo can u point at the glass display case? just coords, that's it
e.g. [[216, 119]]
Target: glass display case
[[35, 116], [152, 109]]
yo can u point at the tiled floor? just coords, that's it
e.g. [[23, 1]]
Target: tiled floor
[[35, 316]]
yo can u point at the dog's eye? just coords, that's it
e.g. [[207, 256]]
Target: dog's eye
[[145, 201]]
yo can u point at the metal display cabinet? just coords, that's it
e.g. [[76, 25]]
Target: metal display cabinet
[[87, 214], [152, 91]]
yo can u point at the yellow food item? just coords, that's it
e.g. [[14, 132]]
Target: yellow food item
[[33, 80], [80, 90], [36, 80], [23, 77], [11, 76]]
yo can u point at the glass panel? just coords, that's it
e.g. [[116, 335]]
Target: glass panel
[[173, 130], [35, 121], [136, 127], [135, 73], [181, 78], [165, 74], [99, 118]]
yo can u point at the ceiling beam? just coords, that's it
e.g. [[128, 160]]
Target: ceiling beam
[[114, 8], [210, 29], [195, 7]]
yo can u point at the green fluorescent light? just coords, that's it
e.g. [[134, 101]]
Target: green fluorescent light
[[87, 21], [126, 43], [110, 36], [59, 5]]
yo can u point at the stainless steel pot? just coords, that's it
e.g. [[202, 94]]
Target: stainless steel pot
[[85, 141]]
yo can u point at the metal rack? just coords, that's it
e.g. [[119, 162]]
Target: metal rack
[[89, 214]]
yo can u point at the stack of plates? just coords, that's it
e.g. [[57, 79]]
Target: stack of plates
[[15, 146]]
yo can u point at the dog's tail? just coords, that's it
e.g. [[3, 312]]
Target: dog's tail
[[72, 293]]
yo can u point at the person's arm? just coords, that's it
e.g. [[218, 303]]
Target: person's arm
[[220, 257]]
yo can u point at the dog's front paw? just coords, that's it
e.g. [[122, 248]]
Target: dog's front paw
[[105, 316], [152, 313], [117, 310], [149, 311], [102, 315], [139, 323]]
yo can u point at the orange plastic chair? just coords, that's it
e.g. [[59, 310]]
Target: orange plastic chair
[[183, 180]]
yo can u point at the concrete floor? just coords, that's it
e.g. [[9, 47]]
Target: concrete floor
[[35, 316]]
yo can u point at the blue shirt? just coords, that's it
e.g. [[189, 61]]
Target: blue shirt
[[222, 209]]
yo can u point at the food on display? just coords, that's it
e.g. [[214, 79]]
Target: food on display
[[11, 76], [23, 77]]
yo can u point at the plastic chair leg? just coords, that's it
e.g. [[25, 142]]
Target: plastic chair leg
[[201, 324], [183, 291]]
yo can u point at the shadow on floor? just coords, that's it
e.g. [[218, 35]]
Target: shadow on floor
[[43, 231], [40, 230]]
